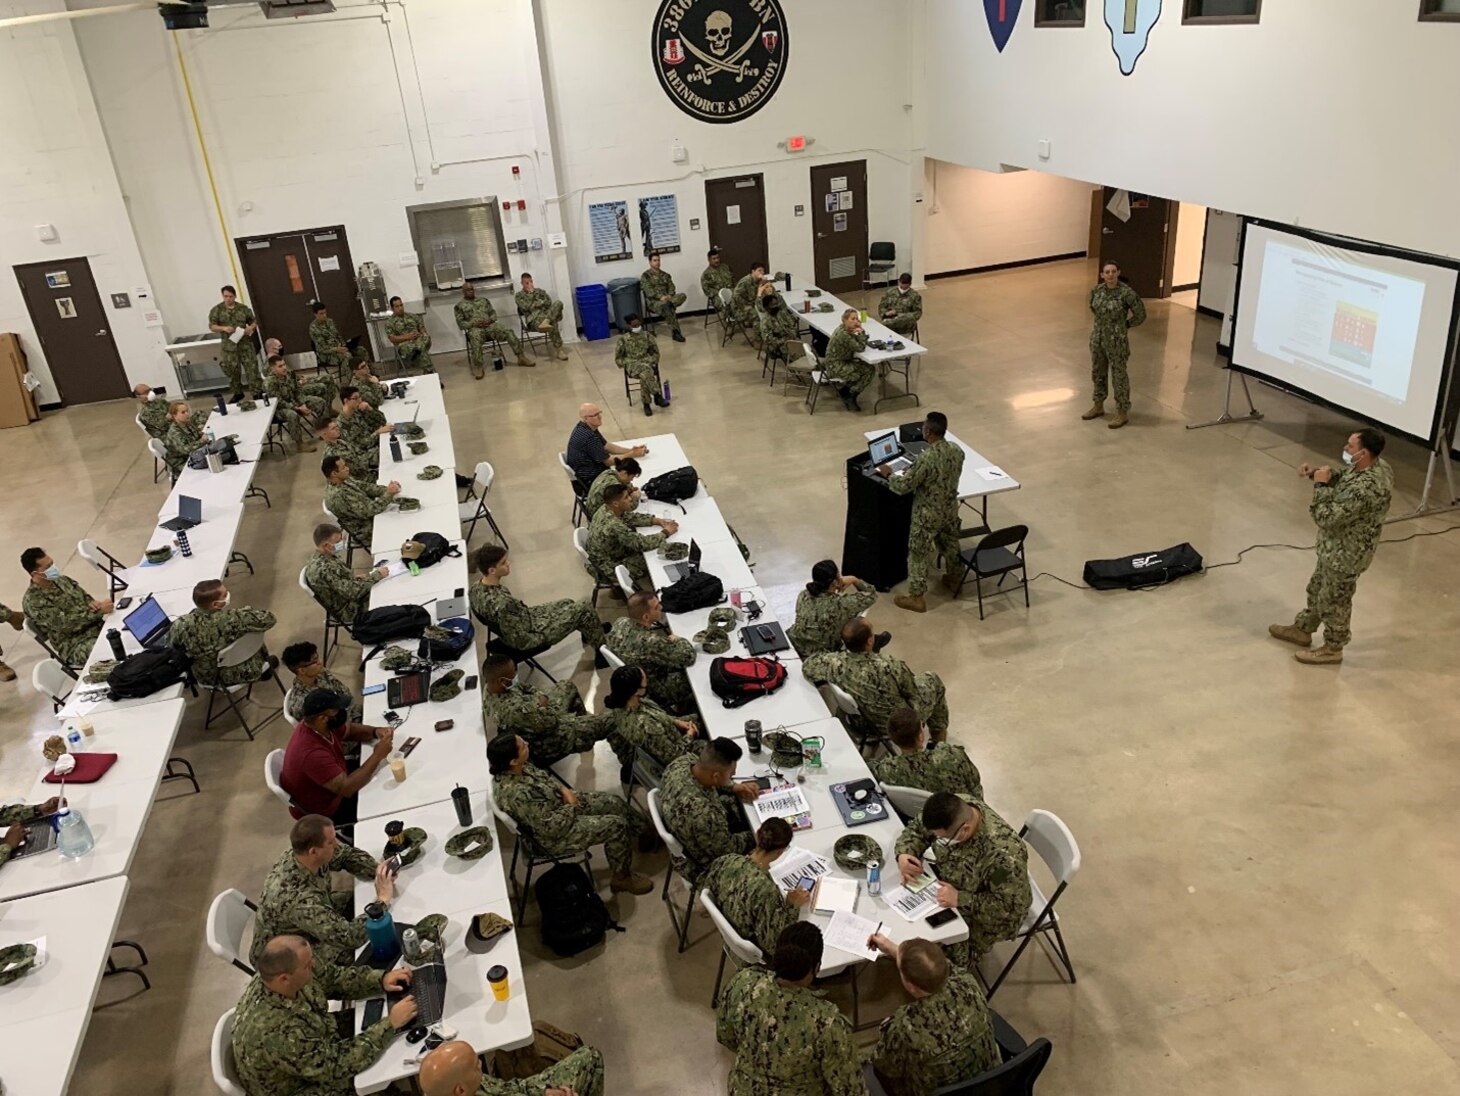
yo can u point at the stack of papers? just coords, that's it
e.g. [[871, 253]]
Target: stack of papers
[[795, 865], [915, 900], [786, 801], [835, 894], [849, 933]]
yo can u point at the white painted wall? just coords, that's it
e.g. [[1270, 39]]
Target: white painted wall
[[984, 218], [54, 169], [845, 86], [1191, 221], [1338, 114]]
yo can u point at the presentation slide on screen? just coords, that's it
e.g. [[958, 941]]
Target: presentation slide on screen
[[1365, 332]]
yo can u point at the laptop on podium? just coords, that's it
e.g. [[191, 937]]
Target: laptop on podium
[[887, 449]]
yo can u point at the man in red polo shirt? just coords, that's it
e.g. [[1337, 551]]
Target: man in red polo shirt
[[315, 773]]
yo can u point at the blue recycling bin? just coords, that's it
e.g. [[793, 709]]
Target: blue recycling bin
[[592, 303]]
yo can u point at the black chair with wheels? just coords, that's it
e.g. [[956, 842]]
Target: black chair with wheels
[[997, 555]]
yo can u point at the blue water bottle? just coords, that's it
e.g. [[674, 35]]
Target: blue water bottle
[[222, 405], [666, 393], [874, 878], [380, 930]]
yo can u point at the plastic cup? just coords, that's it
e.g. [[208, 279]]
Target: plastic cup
[[497, 979], [398, 767]]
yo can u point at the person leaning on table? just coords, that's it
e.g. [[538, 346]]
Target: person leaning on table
[[742, 888], [842, 364], [697, 795], [285, 1040], [588, 453], [901, 307], [454, 1069], [315, 774], [613, 541], [353, 502]]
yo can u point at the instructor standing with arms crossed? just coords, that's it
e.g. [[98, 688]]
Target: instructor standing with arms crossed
[[1117, 308], [932, 480]]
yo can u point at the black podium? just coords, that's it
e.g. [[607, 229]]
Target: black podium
[[874, 547]]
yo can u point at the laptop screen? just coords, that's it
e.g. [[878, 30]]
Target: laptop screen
[[145, 619], [694, 551], [883, 449], [190, 508]]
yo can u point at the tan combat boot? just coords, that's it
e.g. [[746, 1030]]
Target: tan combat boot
[[6, 673], [562, 354], [633, 882], [306, 446], [1290, 633], [914, 603], [1117, 422], [1097, 410], [1327, 655], [545, 326], [522, 359]]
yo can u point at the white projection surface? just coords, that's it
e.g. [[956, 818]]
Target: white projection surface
[[1362, 331]]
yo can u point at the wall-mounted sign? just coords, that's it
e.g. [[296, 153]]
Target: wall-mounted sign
[[66, 307], [721, 61], [121, 300], [659, 224], [57, 279], [609, 224]]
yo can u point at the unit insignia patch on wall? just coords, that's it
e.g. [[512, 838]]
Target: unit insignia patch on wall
[[1130, 23], [720, 60], [1003, 15]]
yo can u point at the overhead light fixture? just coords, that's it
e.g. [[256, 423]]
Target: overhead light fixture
[[183, 16]]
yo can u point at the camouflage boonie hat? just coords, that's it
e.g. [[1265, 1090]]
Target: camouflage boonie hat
[[15, 962], [432, 926], [54, 747], [472, 844], [406, 504], [430, 472], [159, 555], [855, 851], [786, 749], [397, 658], [247, 404], [723, 617], [674, 550], [826, 306], [409, 430], [713, 641], [489, 926], [417, 447], [447, 687], [100, 671]]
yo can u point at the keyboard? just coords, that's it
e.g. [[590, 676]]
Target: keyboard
[[428, 987]]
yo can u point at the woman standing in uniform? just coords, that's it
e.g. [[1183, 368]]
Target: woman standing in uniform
[[1117, 308]]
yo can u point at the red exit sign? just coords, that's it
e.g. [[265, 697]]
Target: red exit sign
[[795, 144]]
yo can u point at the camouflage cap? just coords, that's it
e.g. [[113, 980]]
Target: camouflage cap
[[100, 671], [826, 306], [16, 962], [786, 750], [723, 617], [713, 641], [430, 472], [674, 550], [489, 926], [397, 658], [432, 925], [410, 430], [447, 687], [855, 851], [247, 404], [418, 447], [413, 844], [472, 844], [54, 747], [406, 504], [159, 555]]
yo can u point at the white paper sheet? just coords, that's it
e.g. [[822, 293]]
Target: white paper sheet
[[835, 894], [785, 802], [237, 336], [849, 933], [993, 472], [795, 865], [912, 905]]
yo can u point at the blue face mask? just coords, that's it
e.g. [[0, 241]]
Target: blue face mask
[[53, 572]]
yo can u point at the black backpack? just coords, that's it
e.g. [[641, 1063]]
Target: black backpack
[[695, 591], [1143, 568], [390, 622], [574, 918], [143, 674], [434, 548], [673, 486], [448, 650]]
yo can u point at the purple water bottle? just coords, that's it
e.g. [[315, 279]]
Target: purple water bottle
[[666, 393]]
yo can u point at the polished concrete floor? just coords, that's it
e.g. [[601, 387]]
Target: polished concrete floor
[[1263, 906]]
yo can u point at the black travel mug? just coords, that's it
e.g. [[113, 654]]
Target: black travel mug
[[752, 735], [461, 800]]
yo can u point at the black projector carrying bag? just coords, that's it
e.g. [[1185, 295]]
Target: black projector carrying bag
[[1143, 569]]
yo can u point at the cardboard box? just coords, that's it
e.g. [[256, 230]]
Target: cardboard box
[[17, 403]]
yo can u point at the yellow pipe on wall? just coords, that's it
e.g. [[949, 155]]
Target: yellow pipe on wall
[[207, 162]]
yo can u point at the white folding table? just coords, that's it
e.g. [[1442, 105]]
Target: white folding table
[[90, 700]]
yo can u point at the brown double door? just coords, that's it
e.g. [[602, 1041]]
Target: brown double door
[[73, 329], [839, 222], [1145, 245], [735, 213], [287, 271]]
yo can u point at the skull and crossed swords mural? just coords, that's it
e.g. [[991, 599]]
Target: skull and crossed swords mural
[[720, 60]]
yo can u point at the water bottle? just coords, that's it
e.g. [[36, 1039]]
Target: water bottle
[[395, 449], [666, 392], [222, 404], [380, 930], [874, 878], [114, 640], [182, 543], [75, 741], [209, 436], [73, 835]]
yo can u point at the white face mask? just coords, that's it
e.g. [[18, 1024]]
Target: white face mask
[[151, 396], [52, 572], [1348, 458], [227, 597]]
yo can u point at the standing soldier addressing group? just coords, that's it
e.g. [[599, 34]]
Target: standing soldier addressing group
[[541, 313], [660, 296], [478, 319], [407, 333], [1117, 308], [239, 357], [932, 480]]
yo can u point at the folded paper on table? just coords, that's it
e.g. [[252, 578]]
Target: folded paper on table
[[786, 801]]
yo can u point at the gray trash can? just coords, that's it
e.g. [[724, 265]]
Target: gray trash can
[[624, 298]]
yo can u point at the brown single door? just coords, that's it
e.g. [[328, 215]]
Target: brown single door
[[839, 222], [286, 272], [735, 211], [1145, 245], [74, 330]]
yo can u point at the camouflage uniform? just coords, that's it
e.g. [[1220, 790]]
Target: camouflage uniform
[[943, 768], [880, 684], [286, 391], [714, 279], [908, 309], [1109, 343], [480, 310], [316, 394], [203, 633], [239, 359], [745, 309], [534, 801], [1349, 512], [289, 1047], [842, 364], [372, 392], [699, 817], [294, 700], [360, 428], [364, 464], [536, 309], [933, 482], [13, 815], [417, 351], [637, 354], [355, 504], [658, 283], [5, 614], [651, 729], [750, 900], [303, 903], [612, 541], [990, 873], [788, 1040], [782, 333], [580, 1072], [821, 617], [662, 657], [552, 730], [153, 414], [526, 627], [326, 336], [337, 588], [181, 440], [941, 1039], [594, 499], [63, 617]]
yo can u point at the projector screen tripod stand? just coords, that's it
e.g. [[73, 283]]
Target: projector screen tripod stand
[[1253, 414]]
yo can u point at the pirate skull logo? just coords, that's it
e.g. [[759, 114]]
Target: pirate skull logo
[[717, 32]]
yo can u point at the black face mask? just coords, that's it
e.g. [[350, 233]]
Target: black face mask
[[337, 721]]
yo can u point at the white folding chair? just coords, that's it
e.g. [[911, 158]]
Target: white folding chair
[[236, 654], [350, 542], [273, 768], [35, 634], [733, 945], [225, 1071], [104, 562], [727, 308], [50, 679], [580, 544], [482, 483], [676, 852], [159, 460], [613, 660], [625, 580], [858, 726], [579, 490], [908, 802], [534, 855], [229, 917], [820, 379], [332, 625], [1047, 834], [158, 466]]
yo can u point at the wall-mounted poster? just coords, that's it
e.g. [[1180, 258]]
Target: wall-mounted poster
[[659, 223], [609, 224], [722, 61]]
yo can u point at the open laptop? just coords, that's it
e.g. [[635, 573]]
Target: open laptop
[[887, 449], [149, 623], [189, 514], [412, 419], [684, 569], [40, 836]]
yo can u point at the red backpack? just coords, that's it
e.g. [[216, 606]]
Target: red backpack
[[738, 681]]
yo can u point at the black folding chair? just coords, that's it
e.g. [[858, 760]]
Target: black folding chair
[[997, 555]]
